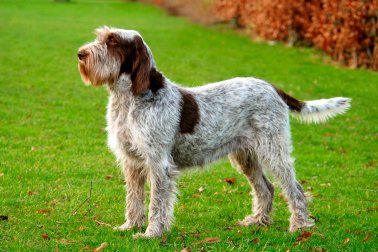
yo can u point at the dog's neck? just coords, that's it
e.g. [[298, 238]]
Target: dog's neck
[[120, 91], [120, 99], [120, 87]]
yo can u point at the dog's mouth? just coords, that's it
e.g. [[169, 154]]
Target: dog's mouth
[[82, 56], [84, 72]]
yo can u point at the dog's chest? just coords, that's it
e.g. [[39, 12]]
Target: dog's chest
[[120, 138]]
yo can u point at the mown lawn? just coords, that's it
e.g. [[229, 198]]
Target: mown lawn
[[52, 142]]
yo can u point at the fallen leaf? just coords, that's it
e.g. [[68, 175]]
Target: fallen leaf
[[109, 177], [216, 193], [101, 223], [3, 217], [87, 248], [33, 148], [195, 235], [304, 236], [326, 184], [82, 227], [102, 246], [255, 241], [44, 210], [187, 249], [45, 236], [370, 164], [201, 189], [208, 240], [212, 240], [64, 241], [346, 241], [230, 180], [367, 237], [1, 174], [30, 193], [329, 134]]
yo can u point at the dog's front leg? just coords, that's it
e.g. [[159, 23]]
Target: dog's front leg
[[163, 195], [135, 179]]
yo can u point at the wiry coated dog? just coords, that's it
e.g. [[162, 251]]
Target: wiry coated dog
[[156, 128]]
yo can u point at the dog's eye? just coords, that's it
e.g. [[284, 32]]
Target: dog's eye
[[112, 40]]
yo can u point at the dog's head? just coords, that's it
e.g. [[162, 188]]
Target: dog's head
[[113, 53]]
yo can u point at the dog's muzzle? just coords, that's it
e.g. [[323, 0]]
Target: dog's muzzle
[[81, 55]]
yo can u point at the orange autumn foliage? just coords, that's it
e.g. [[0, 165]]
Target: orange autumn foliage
[[347, 30]]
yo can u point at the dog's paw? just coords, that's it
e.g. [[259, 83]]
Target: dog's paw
[[150, 233], [125, 226], [257, 220], [296, 226], [145, 236]]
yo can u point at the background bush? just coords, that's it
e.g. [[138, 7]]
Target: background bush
[[344, 29]]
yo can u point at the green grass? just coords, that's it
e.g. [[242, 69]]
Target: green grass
[[52, 142]]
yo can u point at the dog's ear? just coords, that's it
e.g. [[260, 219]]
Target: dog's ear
[[140, 74]]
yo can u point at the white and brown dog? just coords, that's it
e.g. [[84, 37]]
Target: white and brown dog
[[157, 128]]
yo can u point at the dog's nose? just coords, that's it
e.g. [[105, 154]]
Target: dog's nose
[[81, 55]]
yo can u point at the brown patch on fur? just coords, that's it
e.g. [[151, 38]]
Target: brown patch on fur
[[140, 75], [293, 103], [135, 61], [189, 113], [127, 53], [156, 80]]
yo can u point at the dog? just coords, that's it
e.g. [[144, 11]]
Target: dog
[[157, 128]]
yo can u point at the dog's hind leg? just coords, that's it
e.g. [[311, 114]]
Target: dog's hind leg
[[274, 152], [263, 190]]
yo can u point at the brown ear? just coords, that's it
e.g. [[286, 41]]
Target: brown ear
[[140, 74]]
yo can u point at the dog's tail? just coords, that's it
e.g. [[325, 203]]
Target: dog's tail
[[316, 111]]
